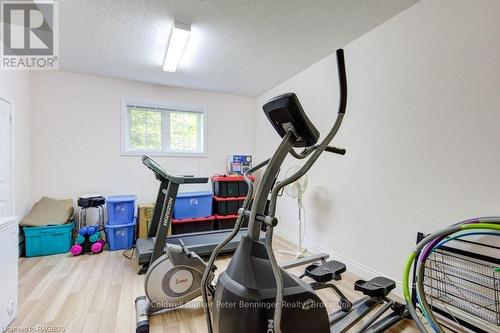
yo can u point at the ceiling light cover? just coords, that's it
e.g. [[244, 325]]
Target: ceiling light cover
[[176, 45]]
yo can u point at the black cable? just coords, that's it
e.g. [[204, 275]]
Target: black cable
[[132, 247], [133, 252]]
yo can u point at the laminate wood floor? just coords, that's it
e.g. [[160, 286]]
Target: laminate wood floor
[[96, 293]]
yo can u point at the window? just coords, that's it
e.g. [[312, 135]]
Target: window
[[163, 130]]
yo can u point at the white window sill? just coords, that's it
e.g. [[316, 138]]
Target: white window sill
[[162, 153]]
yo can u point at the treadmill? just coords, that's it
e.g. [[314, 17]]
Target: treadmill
[[202, 243]]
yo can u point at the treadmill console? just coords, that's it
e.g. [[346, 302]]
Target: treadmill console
[[153, 166], [285, 111]]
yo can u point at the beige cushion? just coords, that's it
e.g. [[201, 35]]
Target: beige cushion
[[49, 211]]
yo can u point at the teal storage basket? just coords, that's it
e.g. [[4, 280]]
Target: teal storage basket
[[51, 239]]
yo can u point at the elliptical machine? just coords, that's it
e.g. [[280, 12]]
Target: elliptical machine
[[174, 272], [254, 294]]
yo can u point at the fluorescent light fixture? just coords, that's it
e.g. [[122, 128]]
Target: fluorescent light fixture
[[176, 45]]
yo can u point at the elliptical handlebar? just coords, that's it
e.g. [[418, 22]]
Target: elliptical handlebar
[[162, 175], [316, 151], [289, 137], [342, 80], [336, 150], [307, 151]]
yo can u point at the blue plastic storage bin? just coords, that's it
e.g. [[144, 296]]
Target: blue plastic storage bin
[[121, 209], [121, 236], [51, 239], [190, 205]]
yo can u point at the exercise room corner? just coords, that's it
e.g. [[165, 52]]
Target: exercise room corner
[[205, 166]]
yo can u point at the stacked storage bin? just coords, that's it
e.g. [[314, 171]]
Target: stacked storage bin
[[229, 194], [120, 228], [192, 212]]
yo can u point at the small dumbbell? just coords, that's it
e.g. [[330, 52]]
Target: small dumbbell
[[76, 249], [97, 247], [80, 239], [92, 230], [95, 237], [83, 231]]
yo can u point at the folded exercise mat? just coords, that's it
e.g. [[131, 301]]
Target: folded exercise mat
[[49, 211]]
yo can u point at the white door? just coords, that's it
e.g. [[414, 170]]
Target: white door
[[5, 159]]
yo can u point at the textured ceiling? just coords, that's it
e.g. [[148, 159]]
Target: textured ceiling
[[243, 47]]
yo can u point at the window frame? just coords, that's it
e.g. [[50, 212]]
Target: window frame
[[125, 128]]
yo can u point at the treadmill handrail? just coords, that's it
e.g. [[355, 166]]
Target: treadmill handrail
[[162, 175]]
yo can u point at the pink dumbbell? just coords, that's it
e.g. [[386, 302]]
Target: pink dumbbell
[[98, 246], [76, 250]]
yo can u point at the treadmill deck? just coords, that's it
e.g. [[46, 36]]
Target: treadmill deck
[[202, 243]]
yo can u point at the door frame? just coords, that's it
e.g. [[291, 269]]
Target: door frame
[[12, 145]]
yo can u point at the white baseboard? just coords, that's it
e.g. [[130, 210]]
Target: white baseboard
[[360, 270]]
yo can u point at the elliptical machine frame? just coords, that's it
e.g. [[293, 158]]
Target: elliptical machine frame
[[249, 295], [174, 272]]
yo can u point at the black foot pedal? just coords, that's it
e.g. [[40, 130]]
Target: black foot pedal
[[328, 271], [377, 287]]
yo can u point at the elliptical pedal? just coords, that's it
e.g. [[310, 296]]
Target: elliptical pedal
[[378, 287], [328, 271]]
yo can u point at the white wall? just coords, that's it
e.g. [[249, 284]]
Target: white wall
[[422, 130], [14, 87], [76, 135]]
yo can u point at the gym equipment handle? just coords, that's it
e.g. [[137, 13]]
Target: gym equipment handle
[[307, 151], [340, 151], [342, 80], [272, 221]]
